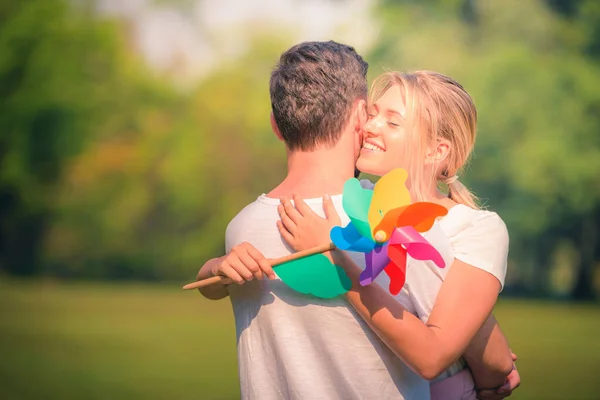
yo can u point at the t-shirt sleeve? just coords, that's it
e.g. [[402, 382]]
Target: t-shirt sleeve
[[484, 244]]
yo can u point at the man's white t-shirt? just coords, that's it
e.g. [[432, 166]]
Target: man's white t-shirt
[[294, 346]]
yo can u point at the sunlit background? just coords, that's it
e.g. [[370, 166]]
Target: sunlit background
[[132, 131]]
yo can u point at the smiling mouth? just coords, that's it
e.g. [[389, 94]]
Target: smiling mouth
[[372, 147]]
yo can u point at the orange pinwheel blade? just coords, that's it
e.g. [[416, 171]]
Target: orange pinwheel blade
[[389, 222], [421, 216]]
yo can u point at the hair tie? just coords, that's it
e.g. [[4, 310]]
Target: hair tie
[[451, 180]]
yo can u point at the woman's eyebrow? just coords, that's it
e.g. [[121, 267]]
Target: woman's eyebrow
[[394, 112]]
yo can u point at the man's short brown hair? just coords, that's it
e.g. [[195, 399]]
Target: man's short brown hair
[[313, 89]]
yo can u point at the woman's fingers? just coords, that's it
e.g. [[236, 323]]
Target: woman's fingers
[[240, 268], [290, 210], [250, 263], [303, 208], [262, 263], [226, 270], [285, 219], [287, 236], [330, 211]]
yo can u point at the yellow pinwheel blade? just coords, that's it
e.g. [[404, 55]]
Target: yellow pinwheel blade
[[390, 192]]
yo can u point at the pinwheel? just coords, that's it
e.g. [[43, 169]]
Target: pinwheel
[[385, 226]]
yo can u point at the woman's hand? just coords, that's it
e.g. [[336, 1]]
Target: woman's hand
[[301, 227], [243, 263], [513, 381]]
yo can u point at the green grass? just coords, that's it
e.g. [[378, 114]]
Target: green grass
[[99, 341]]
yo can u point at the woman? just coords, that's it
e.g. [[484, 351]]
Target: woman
[[425, 123]]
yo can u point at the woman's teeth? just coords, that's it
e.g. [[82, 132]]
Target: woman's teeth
[[371, 147]]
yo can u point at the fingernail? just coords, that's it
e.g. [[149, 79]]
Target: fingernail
[[326, 196]]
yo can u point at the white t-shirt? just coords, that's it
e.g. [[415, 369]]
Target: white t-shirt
[[476, 237], [293, 346]]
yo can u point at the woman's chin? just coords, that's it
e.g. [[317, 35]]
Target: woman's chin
[[367, 166]]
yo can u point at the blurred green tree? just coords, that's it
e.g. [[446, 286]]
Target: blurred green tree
[[152, 196], [57, 63]]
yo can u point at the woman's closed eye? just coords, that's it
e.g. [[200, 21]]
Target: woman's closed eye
[[394, 123]]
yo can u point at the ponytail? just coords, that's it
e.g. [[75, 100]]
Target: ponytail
[[460, 193]]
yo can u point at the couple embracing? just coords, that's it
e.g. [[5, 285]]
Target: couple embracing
[[437, 338]]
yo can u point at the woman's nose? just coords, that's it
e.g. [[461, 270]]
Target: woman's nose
[[372, 127]]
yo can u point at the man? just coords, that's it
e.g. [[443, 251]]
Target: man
[[292, 346]]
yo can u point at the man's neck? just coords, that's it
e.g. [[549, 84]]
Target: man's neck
[[316, 173]]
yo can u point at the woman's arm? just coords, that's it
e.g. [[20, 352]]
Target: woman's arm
[[489, 356], [213, 292], [463, 304]]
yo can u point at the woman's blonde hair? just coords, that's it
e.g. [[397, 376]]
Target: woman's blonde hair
[[436, 107]]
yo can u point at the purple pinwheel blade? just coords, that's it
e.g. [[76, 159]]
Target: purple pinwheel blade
[[375, 261]]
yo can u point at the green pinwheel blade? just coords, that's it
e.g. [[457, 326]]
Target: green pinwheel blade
[[356, 202], [314, 275]]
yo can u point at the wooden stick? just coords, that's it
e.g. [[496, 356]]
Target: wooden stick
[[294, 256]]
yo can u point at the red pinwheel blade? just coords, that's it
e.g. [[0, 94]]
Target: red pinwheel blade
[[396, 268]]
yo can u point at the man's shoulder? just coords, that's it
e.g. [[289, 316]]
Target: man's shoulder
[[258, 209]]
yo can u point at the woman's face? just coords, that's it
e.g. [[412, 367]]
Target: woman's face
[[384, 135]]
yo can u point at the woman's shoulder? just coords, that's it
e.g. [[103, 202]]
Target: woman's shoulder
[[478, 238], [467, 222]]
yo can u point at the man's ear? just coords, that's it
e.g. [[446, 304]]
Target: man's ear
[[275, 128], [361, 114]]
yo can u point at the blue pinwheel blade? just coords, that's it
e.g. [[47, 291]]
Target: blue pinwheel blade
[[349, 238]]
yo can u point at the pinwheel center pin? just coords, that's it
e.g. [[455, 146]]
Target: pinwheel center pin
[[380, 237]]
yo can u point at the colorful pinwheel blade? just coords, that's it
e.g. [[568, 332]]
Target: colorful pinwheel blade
[[396, 269], [349, 238], [390, 221], [375, 261], [314, 275], [390, 192], [416, 245], [421, 215], [356, 202]]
